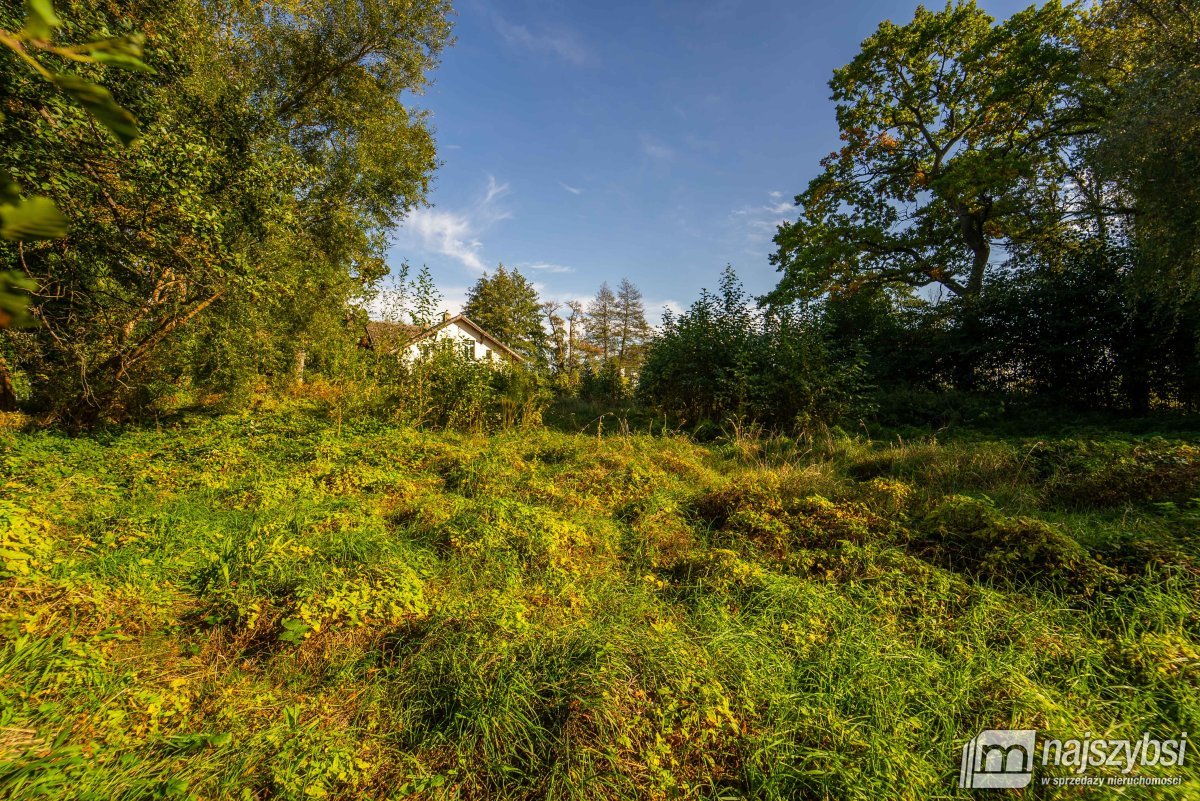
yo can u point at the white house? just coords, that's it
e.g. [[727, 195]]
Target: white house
[[410, 341]]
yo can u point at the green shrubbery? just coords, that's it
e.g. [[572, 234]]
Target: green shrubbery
[[972, 535], [1111, 474], [723, 360], [442, 390]]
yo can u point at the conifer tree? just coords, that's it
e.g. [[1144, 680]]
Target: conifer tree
[[632, 330], [506, 305], [601, 330]]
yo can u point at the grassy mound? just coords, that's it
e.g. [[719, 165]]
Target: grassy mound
[[273, 607]]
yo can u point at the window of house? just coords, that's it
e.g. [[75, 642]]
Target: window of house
[[487, 354], [469, 350]]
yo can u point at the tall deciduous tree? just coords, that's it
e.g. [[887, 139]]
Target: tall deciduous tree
[[274, 156], [507, 306], [32, 218], [1143, 60], [559, 347], [575, 326], [954, 130]]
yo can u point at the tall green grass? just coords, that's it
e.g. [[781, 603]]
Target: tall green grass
[[274, 607]]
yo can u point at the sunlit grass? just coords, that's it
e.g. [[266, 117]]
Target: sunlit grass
[[271, 607]]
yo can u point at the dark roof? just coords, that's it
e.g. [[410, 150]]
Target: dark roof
[[390, 337]]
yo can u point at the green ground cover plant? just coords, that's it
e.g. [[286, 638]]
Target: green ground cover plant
[[277, 606]]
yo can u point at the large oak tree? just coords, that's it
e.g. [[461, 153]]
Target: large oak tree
[[955, 130]]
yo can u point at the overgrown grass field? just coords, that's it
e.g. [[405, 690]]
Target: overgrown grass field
[[273, 606]]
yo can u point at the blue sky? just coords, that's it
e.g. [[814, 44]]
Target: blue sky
[[584, 142]]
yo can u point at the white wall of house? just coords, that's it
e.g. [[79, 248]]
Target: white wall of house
[[463, 336]]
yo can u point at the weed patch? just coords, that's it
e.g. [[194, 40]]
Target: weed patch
[[971, 534], [272, 606]]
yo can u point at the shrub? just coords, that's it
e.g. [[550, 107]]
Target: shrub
[[971, 535], [763, 511], [446, 389], [721, 359], [604, 384], [914, 407], [1103, 476], [25, 544], [373, 597], [887, 496], [719, 570], [533, 537], [662, 533]]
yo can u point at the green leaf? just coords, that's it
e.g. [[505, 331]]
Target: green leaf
[[40, 19], [14, 300], [99, 102], [124, 52], [130, 44], [294, 631], [175, 787], [10, 190], [122, 61], [35, 218]]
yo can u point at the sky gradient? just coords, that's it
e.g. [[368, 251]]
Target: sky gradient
[[585, 142]]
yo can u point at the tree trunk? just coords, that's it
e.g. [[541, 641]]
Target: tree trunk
[[1135, 367], [298, 366], [106, 388], [1137, 391], [971, 226], [8, 396], [970, 333], [978, 267]]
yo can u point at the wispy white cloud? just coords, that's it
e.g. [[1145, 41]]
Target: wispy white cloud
[[558, 41], [494, 190], [656, 149], [546, 267], [762, 220], [448, 233], [456, 233], [656, 308], [574, 190]]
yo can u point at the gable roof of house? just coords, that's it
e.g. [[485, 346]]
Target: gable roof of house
[[390, 337], [394, 337]]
